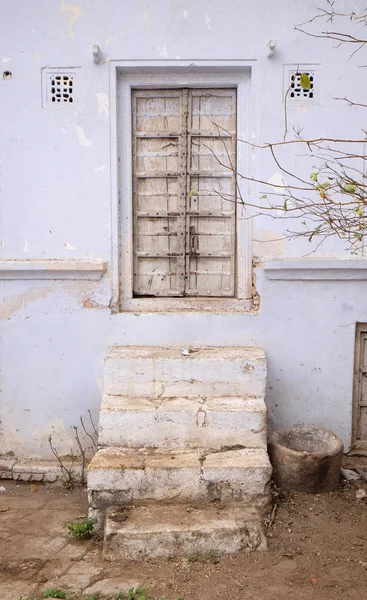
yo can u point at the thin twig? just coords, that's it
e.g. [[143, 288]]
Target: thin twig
[[91, 437]]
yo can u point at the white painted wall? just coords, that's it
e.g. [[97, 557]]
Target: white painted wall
[[56, 204]]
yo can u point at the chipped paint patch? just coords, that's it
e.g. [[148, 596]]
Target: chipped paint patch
[[6, 59], [100, 169], [69, 246], [13, 304], [83, 140], [162, 50], [146, 16], [103, 103], [76, 11], [25, 247], [88, 302], [277, 182], [116, 34], [268, 244], [124, 31]]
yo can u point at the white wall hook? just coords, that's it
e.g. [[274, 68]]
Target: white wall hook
[[97, 54], [271, 45]]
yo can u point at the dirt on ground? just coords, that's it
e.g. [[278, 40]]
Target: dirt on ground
[[317, 549]]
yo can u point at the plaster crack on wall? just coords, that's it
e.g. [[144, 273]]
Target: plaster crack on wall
[[202, 460], [258, 430], [201, 416], [163, 389], [158, 405]]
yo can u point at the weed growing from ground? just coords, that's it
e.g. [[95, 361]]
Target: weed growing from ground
[[133, 594], [53, 593], [80, 529], [137, 594], [206, 557]]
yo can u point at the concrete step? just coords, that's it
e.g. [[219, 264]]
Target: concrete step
[[156, 372], [140, 532], [207, 423], [119, 476]]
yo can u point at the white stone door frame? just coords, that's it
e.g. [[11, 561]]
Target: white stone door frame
[[133, 74]]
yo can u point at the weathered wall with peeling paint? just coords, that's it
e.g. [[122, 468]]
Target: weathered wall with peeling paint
[[56, 204]]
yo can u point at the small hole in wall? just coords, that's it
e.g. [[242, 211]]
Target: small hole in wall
[[7, 75]]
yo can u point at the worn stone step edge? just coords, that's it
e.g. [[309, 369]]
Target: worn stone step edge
[[119, 459], [175, 353], [123, 476], [146, 532], [182, 422], [164, 372]]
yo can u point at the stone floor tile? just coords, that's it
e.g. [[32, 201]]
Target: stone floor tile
[[78, 577], [12, 590], [32, 547]]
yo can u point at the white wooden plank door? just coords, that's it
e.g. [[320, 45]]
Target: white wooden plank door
[[211, 198], [184, 192]]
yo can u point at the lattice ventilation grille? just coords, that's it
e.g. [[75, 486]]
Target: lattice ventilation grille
[[59, 87], [296, 91]]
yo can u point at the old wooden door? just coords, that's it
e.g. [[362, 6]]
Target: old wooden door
[[184, 192], [360, 388]]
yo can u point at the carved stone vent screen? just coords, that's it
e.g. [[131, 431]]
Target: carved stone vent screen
[[61, 88], [296, 91], [184, 192]]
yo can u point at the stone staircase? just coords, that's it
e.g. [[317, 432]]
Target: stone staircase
[[182, 466]]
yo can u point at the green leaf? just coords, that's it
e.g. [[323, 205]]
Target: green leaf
[[264, 197], [305, 81], [285, 205], [360, 211], [325, 185], [350, 188], [313, 176]]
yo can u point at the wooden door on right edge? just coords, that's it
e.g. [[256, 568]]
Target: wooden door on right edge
[[360, 389]]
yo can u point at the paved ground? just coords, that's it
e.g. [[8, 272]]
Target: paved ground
[[317, 549]]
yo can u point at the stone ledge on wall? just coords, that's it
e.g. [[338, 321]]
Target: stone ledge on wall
[[313, 269], [52, 269], [46, 471]]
